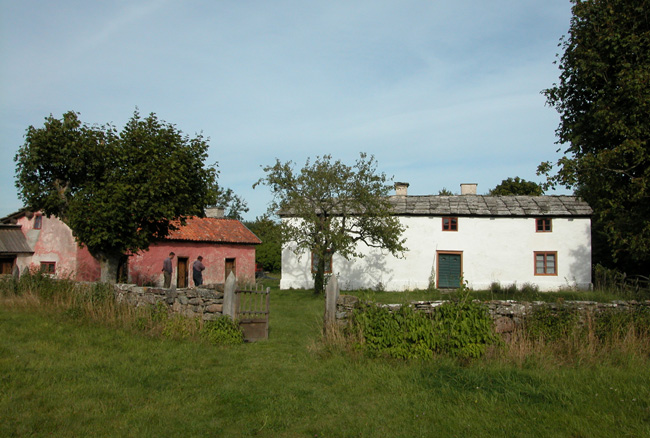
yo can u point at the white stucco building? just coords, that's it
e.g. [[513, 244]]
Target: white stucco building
[[542, 240]]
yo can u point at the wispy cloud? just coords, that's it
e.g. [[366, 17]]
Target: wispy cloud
[[440, 92]]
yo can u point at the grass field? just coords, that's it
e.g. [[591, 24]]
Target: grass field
[[69, 377]]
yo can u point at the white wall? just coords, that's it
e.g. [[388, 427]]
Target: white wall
[[493, 250]]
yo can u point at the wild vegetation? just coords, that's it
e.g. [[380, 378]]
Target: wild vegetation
[[334, 208], [74, 363], [516, 186], [269, 253], [603, 100], [118, 191]]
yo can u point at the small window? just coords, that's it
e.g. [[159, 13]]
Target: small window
[[48, 267], [328, 262], [38, 222], [449, 224], [543, 225], [546, 263]]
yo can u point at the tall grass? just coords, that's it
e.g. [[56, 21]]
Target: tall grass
[[95, 303], [69, 373]]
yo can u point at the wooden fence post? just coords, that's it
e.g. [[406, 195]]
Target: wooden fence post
[[331, 296], [229, 296]]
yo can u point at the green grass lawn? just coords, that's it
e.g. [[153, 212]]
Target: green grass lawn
[[69, 378]]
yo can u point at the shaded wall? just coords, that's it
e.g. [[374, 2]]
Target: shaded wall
[[493, 250], [146, 267]]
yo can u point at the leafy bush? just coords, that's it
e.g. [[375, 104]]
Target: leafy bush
[[551, 324], [614, 323], [460, 329], [222, 331]]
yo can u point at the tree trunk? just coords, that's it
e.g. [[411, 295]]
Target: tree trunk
[[109, 264], [319, 277]]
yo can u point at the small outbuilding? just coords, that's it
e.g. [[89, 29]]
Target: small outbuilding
[[31, 240]]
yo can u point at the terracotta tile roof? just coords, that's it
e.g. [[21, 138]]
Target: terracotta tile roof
[[216, 230]]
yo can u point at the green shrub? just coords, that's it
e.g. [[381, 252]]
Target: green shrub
[[551, 324], [613, 323], [459, 329], [222, 331]]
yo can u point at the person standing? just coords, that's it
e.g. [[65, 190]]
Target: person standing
[[167, 270], [197, 271]]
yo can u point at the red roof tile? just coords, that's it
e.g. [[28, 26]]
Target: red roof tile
[[217, 230]]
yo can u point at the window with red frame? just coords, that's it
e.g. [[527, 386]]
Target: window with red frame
[[449, 224], [328, 262], [546, 263], [544, 225], [48, 267], [38, 222]]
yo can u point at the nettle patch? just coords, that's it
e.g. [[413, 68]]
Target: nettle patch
[[459, 329]]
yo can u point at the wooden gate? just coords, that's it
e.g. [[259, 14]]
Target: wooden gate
[[252, 312]]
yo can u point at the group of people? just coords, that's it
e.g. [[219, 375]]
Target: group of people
[[197, 270]]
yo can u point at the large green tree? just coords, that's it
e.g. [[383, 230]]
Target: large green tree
[[269, 253], [333, 208], [517, 186], [116, 191], [603, 98]]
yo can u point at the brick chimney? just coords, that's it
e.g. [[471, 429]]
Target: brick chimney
[[217, 212], [401, 188], [468, 188]]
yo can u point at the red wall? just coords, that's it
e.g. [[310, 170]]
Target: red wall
[[54, 243], [147, 266]]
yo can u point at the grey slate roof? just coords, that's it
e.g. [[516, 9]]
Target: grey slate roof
[[12, 240], [482, 205]]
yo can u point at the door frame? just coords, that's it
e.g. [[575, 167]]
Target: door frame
[[225, 267], [185, 261], [438, 253]]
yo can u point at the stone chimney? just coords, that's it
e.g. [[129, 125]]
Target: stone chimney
[[401, 188], [468, 188], [217, 212]]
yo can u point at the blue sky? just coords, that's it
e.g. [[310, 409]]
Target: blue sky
[[440, 92]]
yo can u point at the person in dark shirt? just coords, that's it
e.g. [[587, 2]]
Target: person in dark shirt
[[197, 271], [167, 270]]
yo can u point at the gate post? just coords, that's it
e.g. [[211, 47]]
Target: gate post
[[229, 296], [331, 297]]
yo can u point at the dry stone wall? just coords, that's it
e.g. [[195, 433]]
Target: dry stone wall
[[206, 304], [507, 315]]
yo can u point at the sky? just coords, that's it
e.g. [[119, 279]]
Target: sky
[[440, 92]]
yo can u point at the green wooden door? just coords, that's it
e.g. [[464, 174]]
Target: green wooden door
[[449, 271]]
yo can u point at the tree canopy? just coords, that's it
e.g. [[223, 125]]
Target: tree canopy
[[116, 191], [445, 192], [603, 98], [269, 253], [334, 207], [517, 186]]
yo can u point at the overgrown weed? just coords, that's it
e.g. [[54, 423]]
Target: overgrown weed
[[95, 303]]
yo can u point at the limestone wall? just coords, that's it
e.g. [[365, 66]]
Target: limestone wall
[[507, 315], [206, 304]]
